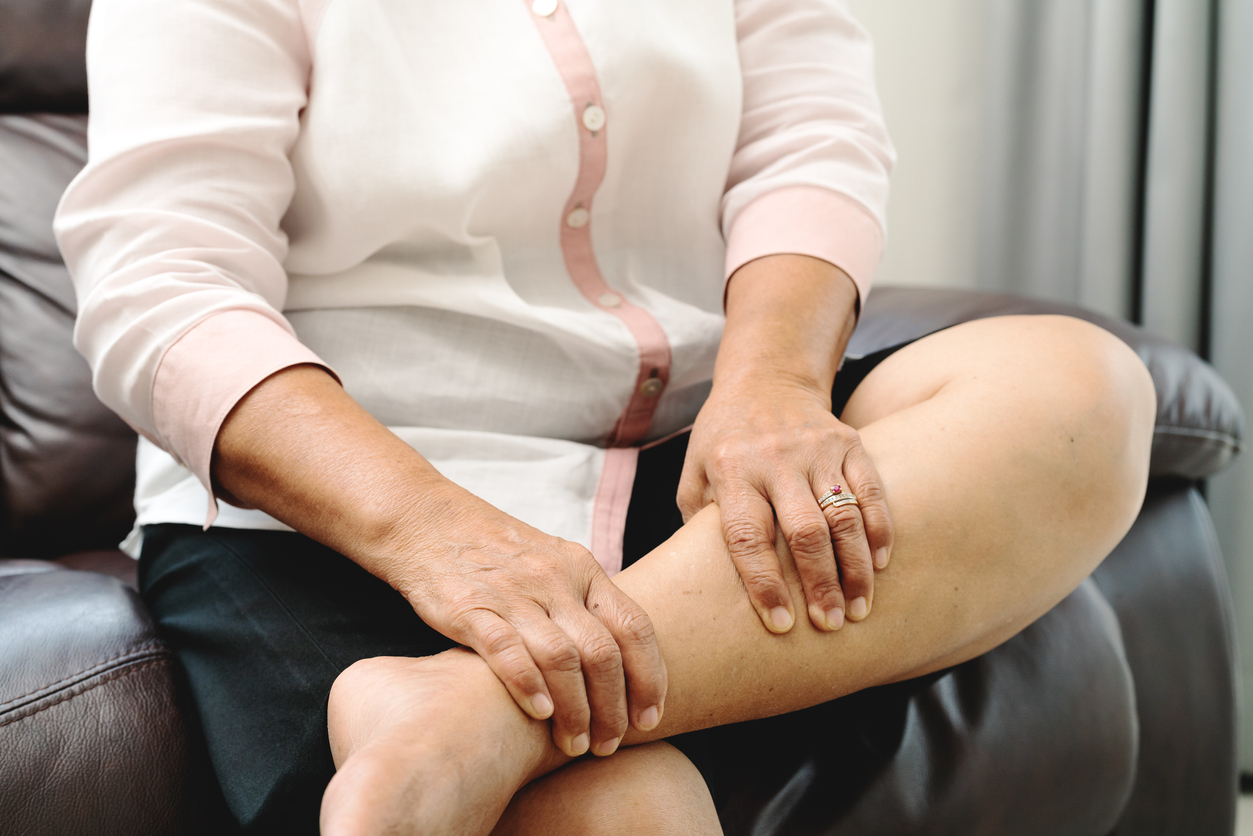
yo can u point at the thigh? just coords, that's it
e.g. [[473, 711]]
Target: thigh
[[650, 788], [263, 623], [1040, 364]]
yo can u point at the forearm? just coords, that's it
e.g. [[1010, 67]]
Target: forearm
[[301, 449], [298, 447], [789, 318]]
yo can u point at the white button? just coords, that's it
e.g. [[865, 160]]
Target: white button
[[578, 217], [593, 117], [652, 387], [544, 8], [610, 300]]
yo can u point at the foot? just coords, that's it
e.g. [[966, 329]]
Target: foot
[[432, 746]]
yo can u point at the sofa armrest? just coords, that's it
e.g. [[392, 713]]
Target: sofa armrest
[[92, 733]]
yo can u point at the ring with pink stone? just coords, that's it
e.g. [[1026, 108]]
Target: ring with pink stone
[[836, 497]]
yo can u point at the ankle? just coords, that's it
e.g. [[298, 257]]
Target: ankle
[[530, 739]]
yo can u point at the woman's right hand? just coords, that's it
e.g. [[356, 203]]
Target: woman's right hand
[[565, 641]]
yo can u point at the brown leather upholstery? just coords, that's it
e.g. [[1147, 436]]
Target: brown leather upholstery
[[92, 739], [111, 562], [42, 66], [1167, 584], [66, 462], [993, 746]]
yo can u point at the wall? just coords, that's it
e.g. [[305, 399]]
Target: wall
[[931, 59]]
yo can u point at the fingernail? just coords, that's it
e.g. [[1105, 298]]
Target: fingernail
[[579, 745], [781, 619], [541, 706], [881, 557], [608, 747], [835, 618], [650, 717], [858, 608]]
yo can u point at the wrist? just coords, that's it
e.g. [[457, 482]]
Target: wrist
[[771, 381], [788, 320], [403, 520]]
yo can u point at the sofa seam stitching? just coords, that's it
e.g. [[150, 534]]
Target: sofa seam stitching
[[69, 681], [105, 678], [1198, 432]]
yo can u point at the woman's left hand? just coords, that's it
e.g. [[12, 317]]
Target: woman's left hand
[[770, 450]]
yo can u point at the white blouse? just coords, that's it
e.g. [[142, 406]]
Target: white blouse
[[505, 225]]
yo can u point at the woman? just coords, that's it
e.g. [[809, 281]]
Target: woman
[[423, 282]]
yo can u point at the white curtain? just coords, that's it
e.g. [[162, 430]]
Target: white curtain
[[1118, 174], [1231, 306]]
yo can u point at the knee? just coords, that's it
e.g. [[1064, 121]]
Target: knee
[[1108, 408], [1109, 388]]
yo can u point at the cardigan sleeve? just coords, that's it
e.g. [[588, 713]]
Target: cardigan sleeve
[[810, 170], [172, 231]]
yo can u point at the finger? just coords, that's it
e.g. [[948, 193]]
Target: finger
[[642, 664], [602, 676], [852, 552], [864, 480], [808, 536], [748, 525], [558, 658], [507, 655], [693, 488]]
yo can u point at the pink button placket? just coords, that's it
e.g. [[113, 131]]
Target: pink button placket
[[592, 121]]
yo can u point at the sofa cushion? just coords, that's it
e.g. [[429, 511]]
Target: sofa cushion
[[90, 725], [66, 462], [1167, 585], [1038, 736], [1200, 424], [42, 56]]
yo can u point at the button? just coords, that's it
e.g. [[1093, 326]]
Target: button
[[593, 117], [544, 8], [609, 300], [652, 387], [578, 217]]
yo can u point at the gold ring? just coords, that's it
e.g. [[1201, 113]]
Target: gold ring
[[836, 497]]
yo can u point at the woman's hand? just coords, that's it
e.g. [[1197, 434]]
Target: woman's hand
[[763, 451], [564, 640], [766, 445]]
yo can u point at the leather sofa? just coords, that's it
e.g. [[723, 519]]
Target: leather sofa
[[1113, 714]]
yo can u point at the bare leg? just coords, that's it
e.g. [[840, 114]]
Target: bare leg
[[1014, 454], [651, 789]]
